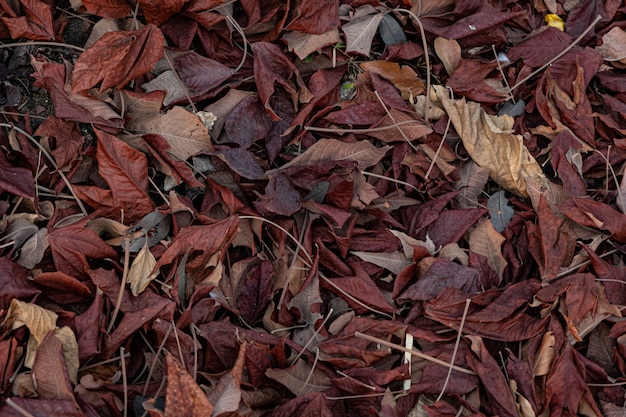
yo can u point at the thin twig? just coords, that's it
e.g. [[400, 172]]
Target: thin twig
[[558, 56], [364, 131], [156, 359], [382, 177], [120, 294], [330, 312], [417, 353], [18, 408], [124, 381], [456, 348], [41, 43], [382, 103]]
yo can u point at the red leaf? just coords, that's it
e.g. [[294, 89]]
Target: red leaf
[[62, 288], [14, 283], [36, 22], [110, 9], [183, 396], [18, 181], [72, 245], [271, 66], [315, 17], [117, 58], [255, 291], [597, 215], [49, 371], [125, 170], [40, 407], [158, 11]]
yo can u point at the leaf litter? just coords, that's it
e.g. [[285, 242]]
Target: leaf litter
[[272, 209]]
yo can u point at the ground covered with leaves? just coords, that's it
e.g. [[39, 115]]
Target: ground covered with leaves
[[336, 208]]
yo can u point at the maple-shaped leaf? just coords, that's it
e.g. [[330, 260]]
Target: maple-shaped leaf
[[271, 67], [35, 24], [125, 170], [117, 58], [110, 9], [183, 396]]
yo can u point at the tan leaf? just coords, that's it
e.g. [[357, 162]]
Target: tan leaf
[[142, 270], [394, 261], [402, 126], [449, 52], [408, 243], [184, 131], [360, 32], [403, 77], [39, 321], [304, 44], [363, 153], [167, 81], [544, 356], [485, 240], [491, 143], [301, 378], [184, 396]]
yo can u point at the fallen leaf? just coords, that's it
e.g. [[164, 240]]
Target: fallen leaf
[[360, 32], [304, 44], [491, 144], [301, 378], [362, 152], [49, 371], [142, 270], [36, 22], [403, 77], [184, 396], [500, 212], [485, 240], [183, 130], [449, 52], [394, 262], [117, 58]]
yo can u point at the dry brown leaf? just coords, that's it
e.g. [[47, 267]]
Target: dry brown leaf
[[39, 321], [403, 77], [485, 240], [184, 131], [449, 52], [142, 270], [491, 143], [304, 44], [545, 354], [50, 374]]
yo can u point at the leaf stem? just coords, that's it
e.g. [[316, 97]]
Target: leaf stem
[[120, 294]]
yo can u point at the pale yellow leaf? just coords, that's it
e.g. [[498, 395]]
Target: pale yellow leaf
[[142, 270], [486, 241]]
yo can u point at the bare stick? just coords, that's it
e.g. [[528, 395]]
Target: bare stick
[[124, 381], [120, 295], [563, 52], [18, 408], [456, 348], [413, 352]]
